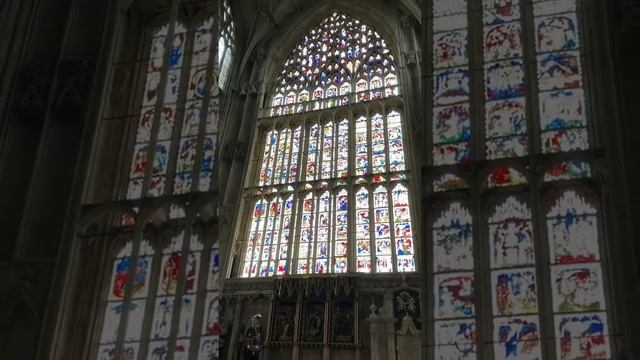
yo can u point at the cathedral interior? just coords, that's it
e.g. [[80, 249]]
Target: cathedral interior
[[335, 179]]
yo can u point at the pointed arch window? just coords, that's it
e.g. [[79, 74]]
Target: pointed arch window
[[344, 173]]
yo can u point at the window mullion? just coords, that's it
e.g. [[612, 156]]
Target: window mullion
[[202, 290], [294, 242]]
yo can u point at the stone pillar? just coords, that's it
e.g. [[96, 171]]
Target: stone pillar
[[382, 333]]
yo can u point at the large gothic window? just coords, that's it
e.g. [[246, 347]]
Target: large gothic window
[[327, 191], [160, 296], [512, 214]]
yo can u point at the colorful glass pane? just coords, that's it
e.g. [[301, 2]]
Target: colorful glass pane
[[450, 49], [327, 59], [453, 239], [517, 338], [162, 315], [451, 86], [454, 295], [505, 176], [577, 288], [568, 170], [363, 236], [449, 182], [511, 235], [341, 243], [582, 336], [455, 339], [514, 292], [572, 230]]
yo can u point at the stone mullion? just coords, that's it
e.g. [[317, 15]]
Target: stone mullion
[[201, 296], [331, 231], [293, 233], [274, 241], [476, 78], [352, 253], [543, 272], [588, 59], [180, 293], [532, 109], [277, 243], [204, 112], [148, 173], [179, 120], [263, 232], [295, 239], [482, 280]]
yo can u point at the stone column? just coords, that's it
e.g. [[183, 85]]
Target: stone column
[[382, 333]]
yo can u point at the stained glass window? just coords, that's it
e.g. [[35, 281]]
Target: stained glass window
[[158, 282], [454, 283], [559, 82], [577, 280], [354, 214], [504, 80], [499, 99], [341, 61], [184, 113], [226, 44], [514, 288], [563, 121]]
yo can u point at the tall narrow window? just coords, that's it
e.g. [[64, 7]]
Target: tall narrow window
[[514, 289], [509, 105], [454, 284], [354, 212], [226, 44], [576, 278], [155, 277]]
